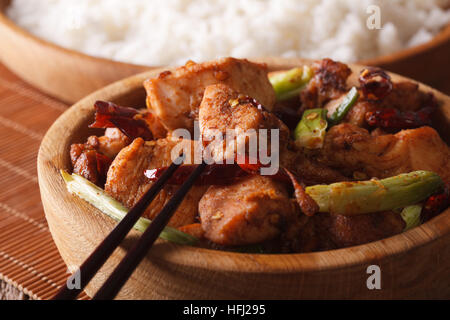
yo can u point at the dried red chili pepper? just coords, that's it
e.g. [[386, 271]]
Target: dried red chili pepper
[[249, 166], [307, 204], [435, 204], [254, 167], [110, 115], [391, 118], [133, 128], [375, 83], [106, 110]]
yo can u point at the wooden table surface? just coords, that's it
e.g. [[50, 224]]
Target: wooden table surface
[[30, 265]]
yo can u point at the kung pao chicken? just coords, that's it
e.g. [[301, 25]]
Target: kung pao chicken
[[359, 159]]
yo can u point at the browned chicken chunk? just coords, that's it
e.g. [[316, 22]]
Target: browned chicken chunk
[[250, 211], [329, 82], [308, 169], [174, 97], [111, 143], [126, 181], [91, 160], [85, 163], [225, 112], [352, 149], [405, 96]]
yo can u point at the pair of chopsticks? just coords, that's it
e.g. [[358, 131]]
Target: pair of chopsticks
[[125, 268]]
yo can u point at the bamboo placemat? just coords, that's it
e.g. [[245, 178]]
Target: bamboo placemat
[[29, 259]]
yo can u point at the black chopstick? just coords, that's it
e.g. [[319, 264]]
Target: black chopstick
[[97, 258], [126, 267]]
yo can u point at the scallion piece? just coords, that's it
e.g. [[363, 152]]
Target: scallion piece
[[289, 84], [350, 198], [345, 106], [411, 216], [310, 132], [97, 197]]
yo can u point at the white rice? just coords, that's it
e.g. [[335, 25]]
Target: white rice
[[167, 32]]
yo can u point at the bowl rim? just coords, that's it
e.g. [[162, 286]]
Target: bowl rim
[[427, 233], [439, 39]]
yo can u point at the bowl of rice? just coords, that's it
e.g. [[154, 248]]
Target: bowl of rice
[[69, 49]]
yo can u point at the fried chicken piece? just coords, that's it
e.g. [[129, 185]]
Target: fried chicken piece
[[329, 82], [224, 110], [308, 169], [91, 160], [126, 181], [110, 143], [250, 211], [174, 97], [349, 148], [405, 96]]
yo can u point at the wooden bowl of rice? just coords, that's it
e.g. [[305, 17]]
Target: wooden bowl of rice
[[70, 75], [413, 264]]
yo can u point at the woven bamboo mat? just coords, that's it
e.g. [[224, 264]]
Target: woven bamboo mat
[[29, 259]]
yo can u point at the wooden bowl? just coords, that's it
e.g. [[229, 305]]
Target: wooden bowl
[[425, 62], [70, 75], [414, 264]]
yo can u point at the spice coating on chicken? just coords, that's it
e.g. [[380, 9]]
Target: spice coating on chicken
[[111, 143], [91, 160]]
